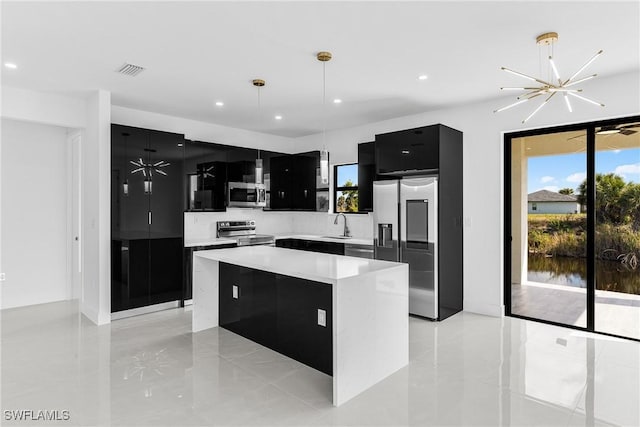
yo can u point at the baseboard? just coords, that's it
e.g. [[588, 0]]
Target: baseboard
[[144, 310]]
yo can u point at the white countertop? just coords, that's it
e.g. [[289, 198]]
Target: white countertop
[[212, 241], [208, 242], [314, 266]]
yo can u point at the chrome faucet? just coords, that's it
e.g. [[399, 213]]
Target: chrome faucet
[[346, 232]]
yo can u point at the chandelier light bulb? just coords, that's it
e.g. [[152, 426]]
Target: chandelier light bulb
[[511, 105], [566, 101]]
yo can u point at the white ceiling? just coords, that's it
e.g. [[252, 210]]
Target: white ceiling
[[199, 52]]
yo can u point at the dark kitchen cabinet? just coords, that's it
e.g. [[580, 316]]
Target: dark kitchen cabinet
[[279, 312], [293, 181], [242, 170], [280, 187], [366, 175], [335, 248], [298, 332], [146, 217], [205, 176], [406, 152], [250, 309], [303, 191]]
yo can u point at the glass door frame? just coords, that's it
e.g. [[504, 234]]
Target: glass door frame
[[590, 128]]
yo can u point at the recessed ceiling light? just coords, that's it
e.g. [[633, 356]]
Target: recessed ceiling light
[[422, 77], [10, 65], [337, 101], [278, 117], [219, 103]]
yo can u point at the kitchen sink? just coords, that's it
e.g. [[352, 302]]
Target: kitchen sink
[[337, 237]]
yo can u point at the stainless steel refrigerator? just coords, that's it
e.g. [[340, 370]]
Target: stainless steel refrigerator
[[405, 215]]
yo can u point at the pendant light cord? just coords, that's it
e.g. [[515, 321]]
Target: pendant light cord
[[324, 106], [259, 114]]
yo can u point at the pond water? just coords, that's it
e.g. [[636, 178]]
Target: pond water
[[610, 275]]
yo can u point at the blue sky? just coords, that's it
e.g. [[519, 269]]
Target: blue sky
[[569, 170], [348, 172]]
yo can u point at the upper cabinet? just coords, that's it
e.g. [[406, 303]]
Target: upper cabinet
[[366, 175], [205, 176], [294, 183], [280, 186], [406, 152]]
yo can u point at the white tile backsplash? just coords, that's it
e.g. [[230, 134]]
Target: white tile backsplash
[[200, 226], [321, 223]]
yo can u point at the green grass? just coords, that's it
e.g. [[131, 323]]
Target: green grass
[[565, 235]]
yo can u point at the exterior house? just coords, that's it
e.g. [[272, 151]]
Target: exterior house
[[550, 202]]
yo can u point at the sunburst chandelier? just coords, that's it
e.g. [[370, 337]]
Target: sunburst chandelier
[[545, 88]]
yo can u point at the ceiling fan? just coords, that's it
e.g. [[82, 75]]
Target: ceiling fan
[[607, 131], [625, 130]]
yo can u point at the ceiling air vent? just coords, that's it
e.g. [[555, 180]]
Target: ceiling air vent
[[130, 70]]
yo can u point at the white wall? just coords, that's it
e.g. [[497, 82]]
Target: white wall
[[484, 169], [201, 226], [46, 108], [96, 209], [553, 207], [201, 131], [34, 214]]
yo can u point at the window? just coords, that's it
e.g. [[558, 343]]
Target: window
[[534, 207], [345, 188]]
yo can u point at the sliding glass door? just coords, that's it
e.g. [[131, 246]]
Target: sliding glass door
[[617, 227], [548, 269], [572, 226]]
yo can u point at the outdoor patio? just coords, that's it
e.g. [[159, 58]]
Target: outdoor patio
[[616, 313]]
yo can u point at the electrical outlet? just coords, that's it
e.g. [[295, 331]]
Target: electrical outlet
[[2, 277], [322, 318], [235, 292]]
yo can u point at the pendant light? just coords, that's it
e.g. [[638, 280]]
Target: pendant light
[[324, 57], [259, 170], [148, 185], [125, 183]]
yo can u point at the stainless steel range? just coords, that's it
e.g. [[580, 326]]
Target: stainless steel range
[[244, 232]]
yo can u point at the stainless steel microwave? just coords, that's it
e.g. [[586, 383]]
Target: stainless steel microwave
[[246, 195]]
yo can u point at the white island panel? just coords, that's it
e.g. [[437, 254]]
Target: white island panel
[[205, 294], [371, 330]]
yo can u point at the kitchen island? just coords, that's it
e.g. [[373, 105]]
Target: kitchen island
[[345, 316]]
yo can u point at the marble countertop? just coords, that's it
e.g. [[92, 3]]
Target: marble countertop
[[314, 266]]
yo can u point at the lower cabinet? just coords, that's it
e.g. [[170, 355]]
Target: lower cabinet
[[279, 312], [299, 335], [334, 248]]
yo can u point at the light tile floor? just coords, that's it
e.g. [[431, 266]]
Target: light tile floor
[[466, 370]]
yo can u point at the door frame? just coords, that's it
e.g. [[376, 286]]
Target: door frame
[[74, 215], [591, 223]]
